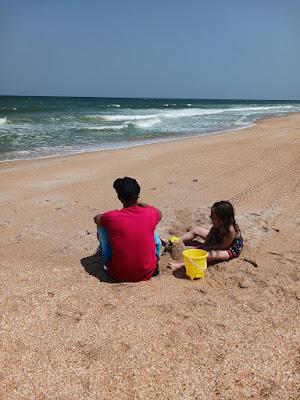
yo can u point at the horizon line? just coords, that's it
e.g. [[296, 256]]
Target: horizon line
[[148, 98]]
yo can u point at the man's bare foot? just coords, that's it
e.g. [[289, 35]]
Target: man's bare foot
[[175, 265]]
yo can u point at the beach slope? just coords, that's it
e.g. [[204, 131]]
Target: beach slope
[[66, 332]]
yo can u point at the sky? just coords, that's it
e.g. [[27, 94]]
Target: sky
[[235, 49]]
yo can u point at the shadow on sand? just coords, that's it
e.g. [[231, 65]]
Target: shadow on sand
[[181, 274], [94, 266]]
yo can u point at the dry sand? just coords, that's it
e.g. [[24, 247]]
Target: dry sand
[[65, 333]]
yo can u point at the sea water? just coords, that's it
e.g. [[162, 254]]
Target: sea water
[[33, 127]]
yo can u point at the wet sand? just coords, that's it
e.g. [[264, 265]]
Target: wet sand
[[66, 332]]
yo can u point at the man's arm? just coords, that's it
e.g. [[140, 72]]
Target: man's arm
[[160, 214], [97, 219]]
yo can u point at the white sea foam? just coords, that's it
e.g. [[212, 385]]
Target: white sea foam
[[262, 108], [192, 112], [148, 123], [110, 105], [24, 152], [144, 125], [127, 117], [161, 114], [107, 127]]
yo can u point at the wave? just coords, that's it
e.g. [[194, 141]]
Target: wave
[[160, 114], [194, 112], [3, 121], [147, 123], [262, 108], [128, 117], [119, 117], [107, 127]]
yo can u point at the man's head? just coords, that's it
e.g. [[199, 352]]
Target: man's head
[[128, 190]]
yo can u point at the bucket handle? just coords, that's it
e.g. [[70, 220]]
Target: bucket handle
[[195, 265]]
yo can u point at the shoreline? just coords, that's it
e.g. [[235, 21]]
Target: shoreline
[[193, 136]]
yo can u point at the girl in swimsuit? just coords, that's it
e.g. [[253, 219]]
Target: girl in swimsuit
[[223, 241]]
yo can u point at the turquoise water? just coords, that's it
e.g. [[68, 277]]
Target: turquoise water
[[44, 126]]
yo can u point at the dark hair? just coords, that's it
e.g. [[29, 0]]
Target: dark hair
[[127, 188], [225, 214]]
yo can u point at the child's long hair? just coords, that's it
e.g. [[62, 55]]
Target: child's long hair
[[225, 214]]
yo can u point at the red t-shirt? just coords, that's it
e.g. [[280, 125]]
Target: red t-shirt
[[131, 235]]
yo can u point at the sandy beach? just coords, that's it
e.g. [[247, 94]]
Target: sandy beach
[[67, 332]]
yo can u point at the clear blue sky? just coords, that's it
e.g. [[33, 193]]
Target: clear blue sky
[[141, 48]]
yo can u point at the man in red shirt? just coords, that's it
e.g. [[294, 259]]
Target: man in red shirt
[[129, 244]]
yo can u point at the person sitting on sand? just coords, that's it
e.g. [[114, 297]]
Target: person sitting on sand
[[223, 241], [129, 243]]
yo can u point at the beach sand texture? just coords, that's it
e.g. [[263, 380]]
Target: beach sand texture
[[66, 333]]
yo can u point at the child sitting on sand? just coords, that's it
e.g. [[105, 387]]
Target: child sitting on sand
[[223, 241]]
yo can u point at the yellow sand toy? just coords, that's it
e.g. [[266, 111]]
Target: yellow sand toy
[[195, 262], [174, 239]]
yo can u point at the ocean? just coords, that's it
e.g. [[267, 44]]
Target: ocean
[[32, 127]]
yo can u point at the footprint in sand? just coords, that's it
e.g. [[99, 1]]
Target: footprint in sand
[[245, 283], [110, 306], [88, 353], [5, 223], [67, 313], [292, 256]]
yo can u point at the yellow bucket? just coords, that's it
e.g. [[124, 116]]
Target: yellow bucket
[[195, 262]]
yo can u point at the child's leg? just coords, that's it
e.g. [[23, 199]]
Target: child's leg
[[186, 238], [175, 265], [220, 255], [213, 255], [104, 244]]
